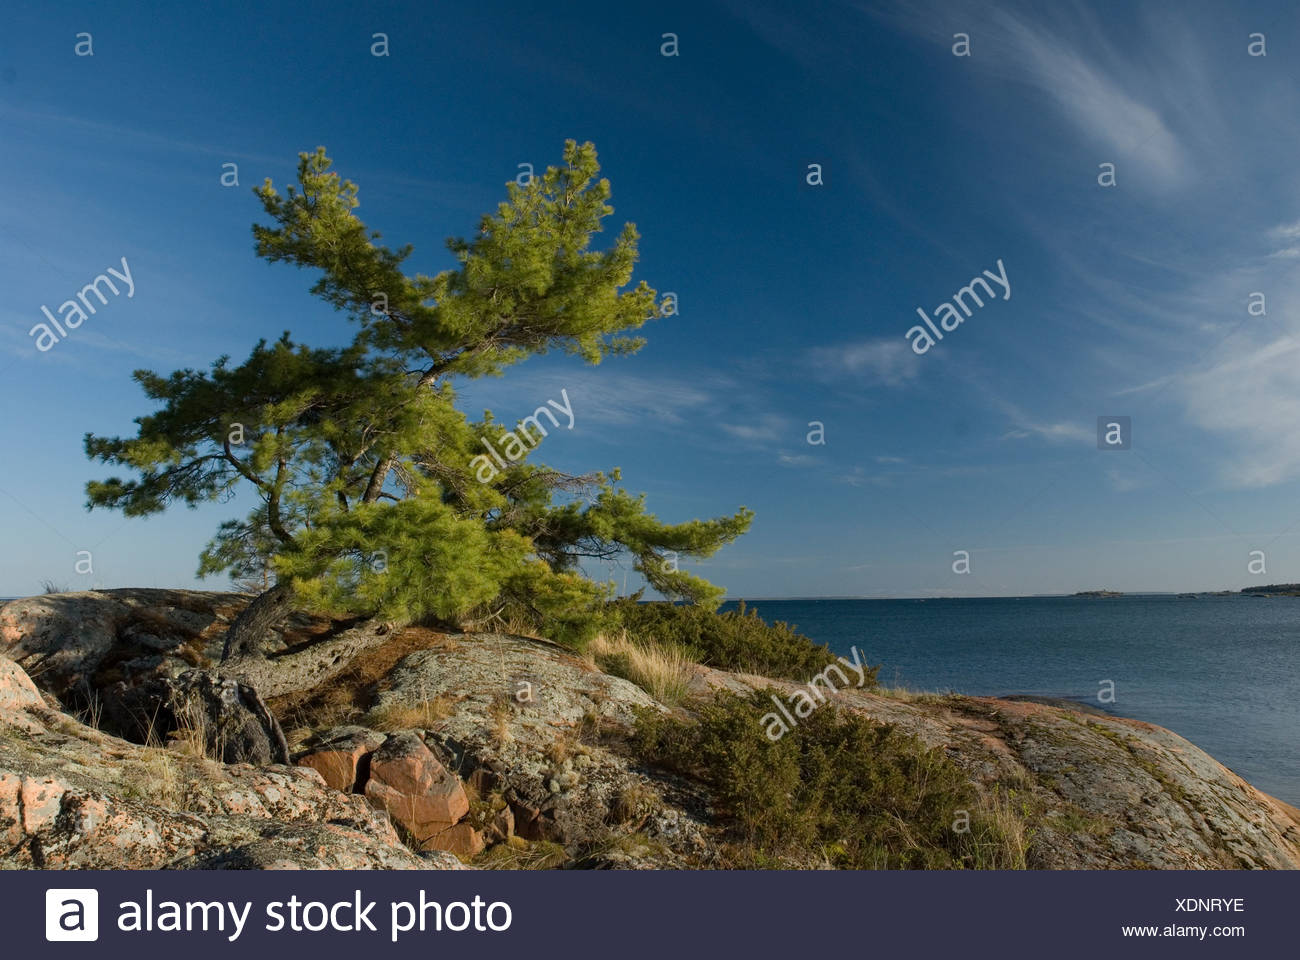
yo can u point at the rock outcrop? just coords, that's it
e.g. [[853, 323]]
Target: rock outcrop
[[83, 645], [425, 747], [17, 692], [1103, 792], [524, 720], [72, 797]]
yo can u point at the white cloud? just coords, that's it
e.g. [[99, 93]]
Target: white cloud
[[1128, 105], [1097, 103], [1236, 378], [603, 395], [1124, 480], [796, 460], [768, 428], [1025, 426], [1252, 398], [1059, 432], [885, 362]]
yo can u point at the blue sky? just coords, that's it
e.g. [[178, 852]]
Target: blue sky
[[795, 300]]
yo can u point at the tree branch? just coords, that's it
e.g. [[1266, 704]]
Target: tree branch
[[376, 485], [242, 467]]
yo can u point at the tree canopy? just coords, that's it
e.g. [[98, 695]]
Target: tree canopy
[[361, 458]]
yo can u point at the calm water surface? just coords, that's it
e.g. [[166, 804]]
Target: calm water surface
[[1224, 672]]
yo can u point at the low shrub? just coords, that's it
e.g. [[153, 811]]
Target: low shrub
[[735, 640], [837, 789]]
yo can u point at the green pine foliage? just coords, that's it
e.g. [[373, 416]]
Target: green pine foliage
[[360, 455]]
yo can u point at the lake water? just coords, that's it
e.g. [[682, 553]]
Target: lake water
[[1224, 672]]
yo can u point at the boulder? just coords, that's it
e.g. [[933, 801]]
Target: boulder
[[545, 685], [442, 860], [462, 839], [409, 783], [16, 688], [342, 757]]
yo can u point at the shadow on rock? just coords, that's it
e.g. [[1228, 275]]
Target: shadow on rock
[[221, 717]]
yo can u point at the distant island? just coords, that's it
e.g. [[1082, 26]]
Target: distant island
[[1268, 590], [1274, 590]]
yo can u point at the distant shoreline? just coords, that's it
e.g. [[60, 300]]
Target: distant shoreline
[[1273, 590]]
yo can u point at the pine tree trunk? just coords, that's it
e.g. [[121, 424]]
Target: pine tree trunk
[[247, 636]]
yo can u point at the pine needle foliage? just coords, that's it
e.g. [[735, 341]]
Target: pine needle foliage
[[360, 456]]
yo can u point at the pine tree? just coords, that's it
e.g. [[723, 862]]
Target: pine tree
[[363, 463]]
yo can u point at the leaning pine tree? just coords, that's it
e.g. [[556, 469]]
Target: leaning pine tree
[[370, 505]]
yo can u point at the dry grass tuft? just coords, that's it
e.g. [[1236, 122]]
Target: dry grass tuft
[[1004, 844], [425, 715], [92, 714], [500, 711], [519, 854], [664, 672], [152, 776], [494, 622], [192, 737]]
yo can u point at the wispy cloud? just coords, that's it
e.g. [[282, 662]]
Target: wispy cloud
[[1251, 398], [768, 428], [1133, 108], [797, 460], [876, 362], [1237, 377], [1096, 102], [602, 395], [1054, 432], [1025, 426]]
